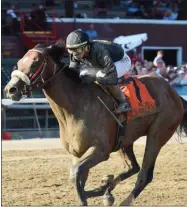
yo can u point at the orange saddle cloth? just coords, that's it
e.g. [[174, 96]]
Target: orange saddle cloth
[[142, 104]]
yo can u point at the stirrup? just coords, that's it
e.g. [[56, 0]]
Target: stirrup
[[123, 107]]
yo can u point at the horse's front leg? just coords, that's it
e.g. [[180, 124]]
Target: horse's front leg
[[92, 157], [84, 177]]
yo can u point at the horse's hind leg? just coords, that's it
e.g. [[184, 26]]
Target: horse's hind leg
[[131, 163], [157, 137]]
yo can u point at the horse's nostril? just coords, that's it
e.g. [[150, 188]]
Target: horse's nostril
[[13, 90]]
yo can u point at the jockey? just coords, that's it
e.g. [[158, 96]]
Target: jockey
[[107, 58]]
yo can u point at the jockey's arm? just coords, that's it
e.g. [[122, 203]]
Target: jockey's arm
[[108, 74]]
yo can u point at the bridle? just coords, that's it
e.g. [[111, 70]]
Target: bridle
[[38, 74], [37, 78]]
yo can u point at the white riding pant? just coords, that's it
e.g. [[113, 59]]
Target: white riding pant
[[123, 66]]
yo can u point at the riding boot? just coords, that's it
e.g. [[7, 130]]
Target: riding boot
[[116, 92]]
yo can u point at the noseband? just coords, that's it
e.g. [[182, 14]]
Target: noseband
[[36, 78]]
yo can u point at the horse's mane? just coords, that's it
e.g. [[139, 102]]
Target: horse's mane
[[56, 50], [72, 75]]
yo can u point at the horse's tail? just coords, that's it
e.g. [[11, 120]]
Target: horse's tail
[[183, 124]]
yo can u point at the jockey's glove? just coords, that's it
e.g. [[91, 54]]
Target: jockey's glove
[[87, 76], [107, 79]]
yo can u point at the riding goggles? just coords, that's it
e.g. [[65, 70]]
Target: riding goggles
[[75, 51]]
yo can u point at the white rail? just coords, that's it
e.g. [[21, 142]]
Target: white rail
[[31, 103], [119, 21], [7, 102]]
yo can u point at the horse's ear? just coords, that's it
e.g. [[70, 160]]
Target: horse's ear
[[56, 50], [60, 43]]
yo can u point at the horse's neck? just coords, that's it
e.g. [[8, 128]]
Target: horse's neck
[[70, 100], [64, 97], [58, 91]]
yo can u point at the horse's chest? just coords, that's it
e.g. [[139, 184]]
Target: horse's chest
[[75, 137]]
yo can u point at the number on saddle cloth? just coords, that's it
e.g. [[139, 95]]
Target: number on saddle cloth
[[141, 101]]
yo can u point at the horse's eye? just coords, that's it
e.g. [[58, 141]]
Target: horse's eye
[[36, 59]]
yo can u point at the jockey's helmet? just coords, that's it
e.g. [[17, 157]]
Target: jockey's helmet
[[76, 42], [77, 39]]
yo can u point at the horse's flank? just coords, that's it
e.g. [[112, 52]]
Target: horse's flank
[[83, 120]]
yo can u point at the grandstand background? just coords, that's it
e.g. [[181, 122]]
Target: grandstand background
[[28, 22]]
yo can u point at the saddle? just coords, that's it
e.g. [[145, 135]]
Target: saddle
[[141, 102]]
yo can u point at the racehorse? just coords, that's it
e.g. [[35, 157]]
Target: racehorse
[[87, 130]]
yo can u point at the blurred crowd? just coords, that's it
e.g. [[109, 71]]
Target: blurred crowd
[[156, 9], [146, 9], [35, 20], [176, 76], [9, 21], [137, 9]]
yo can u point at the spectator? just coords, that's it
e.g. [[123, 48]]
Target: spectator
[[159, 57], [161, 69], [133, 71], [134, 56], [171, 75], [4, 22], [182, 4], [144, 71], [41, 15], [125, 3], [136, 10], [38, 18], [49, 3], [182, 72], [171, 13], [138, 67], [69, 8], [91, 32], [11, 12], [101, 8], [147, 7], [82, 15], [184, 80], [12, 20], [34, 18], [132, 9], [178, 78]]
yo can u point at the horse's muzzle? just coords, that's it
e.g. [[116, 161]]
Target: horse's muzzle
[[15, 89]]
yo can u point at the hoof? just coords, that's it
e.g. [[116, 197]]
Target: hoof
[[107, 180], [128, 201], [108, 200], [83, 204]]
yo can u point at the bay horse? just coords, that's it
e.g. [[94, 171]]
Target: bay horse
[[87, 130]]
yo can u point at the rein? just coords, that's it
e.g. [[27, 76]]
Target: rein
[[50, 79], [40, 71], [32, 79]]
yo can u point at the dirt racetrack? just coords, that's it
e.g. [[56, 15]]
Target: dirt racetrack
[[36, 172]]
